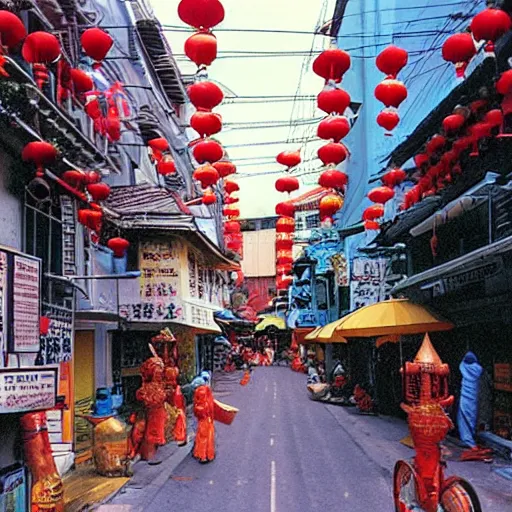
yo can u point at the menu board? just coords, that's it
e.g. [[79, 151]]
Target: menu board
[[27, 389], [3, 304], [26, 311]]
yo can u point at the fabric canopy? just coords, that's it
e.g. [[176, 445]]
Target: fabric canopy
[[389, 317], [271, 321], [326, 334]]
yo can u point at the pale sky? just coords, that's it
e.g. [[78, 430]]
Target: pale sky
[[264, 76]]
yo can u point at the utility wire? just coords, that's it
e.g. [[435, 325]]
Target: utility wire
[[267, 143]]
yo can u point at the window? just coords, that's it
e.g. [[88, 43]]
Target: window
[[300, 223], [312, 221]]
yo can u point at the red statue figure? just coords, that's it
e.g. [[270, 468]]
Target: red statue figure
[[47, 488], [204, 446], [180, 427], [152, 395], [422, 484], [206, 410]]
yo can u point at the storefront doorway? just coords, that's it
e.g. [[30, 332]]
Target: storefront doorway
[[84, 393]]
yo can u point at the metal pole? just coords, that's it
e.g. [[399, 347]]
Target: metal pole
[[328, 362]]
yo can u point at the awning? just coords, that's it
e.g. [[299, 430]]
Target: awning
[[271, 321], [301, 334], [395, 316], [471, 258]]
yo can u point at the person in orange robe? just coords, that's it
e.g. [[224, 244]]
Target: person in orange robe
[[180, 427], [204, 445]]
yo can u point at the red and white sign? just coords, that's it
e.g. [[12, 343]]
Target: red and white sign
[[26, 308]]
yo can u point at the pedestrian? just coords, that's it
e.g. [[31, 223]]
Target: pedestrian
[[468, 406]]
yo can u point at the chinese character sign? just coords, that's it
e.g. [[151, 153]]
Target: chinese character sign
[[159, 295], [26, 304], [367, 282], [3, 303]]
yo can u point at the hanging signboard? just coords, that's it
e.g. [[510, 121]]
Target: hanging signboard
[[27, 389], [26, 304], [367, 282], [13, 489], [3, 304], [159, 297]]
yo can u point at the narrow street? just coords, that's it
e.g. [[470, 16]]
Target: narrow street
[[283, 453]]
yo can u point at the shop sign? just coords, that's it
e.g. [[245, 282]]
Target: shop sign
[[3, 302], [367, 284], [475, 275], [27, 389], [157, 297], [339, 264], [200, 317]]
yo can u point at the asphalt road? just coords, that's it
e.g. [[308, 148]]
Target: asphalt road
[[283, 453]]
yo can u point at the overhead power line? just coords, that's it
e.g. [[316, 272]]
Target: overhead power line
[[268, 143]]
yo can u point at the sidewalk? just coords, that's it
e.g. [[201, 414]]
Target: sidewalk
[[379, 438]]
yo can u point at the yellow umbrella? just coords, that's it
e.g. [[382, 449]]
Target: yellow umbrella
[[390, 317], [326, 334], [271, 321], [312, 335]]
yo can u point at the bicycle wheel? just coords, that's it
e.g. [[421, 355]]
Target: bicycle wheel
[[458, 495], [406, 488]]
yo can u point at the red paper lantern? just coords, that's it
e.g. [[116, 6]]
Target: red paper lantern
[[284, 269], [201, 14], [333, 128], [231, 212], [289, 158], [231, 186], [285, 225], [40, 49], [462, 144], [98, 191], [480, 131], [231, 200], [494, 117], [392, 60], [332, 154], [12, 30], [44, 325], [119, 246], [329, 205], [286, 209], [92, 219], [284, 244], [388, 119], [207, 151], [435, 144], [74, 178], [283, 282], [459, 49], [96, 44], [453, 123], [489, 25], [201, 48], [166, 166], [332, 64], [206, 124], [391, 92], [373, 212], [381, 194], [113, 128], [207, 175], [232, 226], [92, 177], [420, 160], [394, 177], [333, 178], [209, 197], [333, 100], [287, 184], [205, 95], [225, 168], [82, 82], [371, 225], [284, 257], [504, 84], [39, 153], [159, 144]]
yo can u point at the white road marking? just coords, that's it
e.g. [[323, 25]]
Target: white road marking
[[271, 441], [273, 486], [266, 388], [273, 416], [211, 482], [345, 494]]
